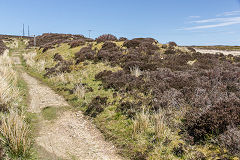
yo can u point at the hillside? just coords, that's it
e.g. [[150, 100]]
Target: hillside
[[151, 100]]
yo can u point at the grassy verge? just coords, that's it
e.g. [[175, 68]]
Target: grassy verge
[[15, 131]]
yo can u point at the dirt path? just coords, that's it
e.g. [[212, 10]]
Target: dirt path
[[235, 53], [41, 96], [70, 135]]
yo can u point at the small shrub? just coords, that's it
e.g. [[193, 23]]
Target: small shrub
[[131, 43], [96, 106], [170, 51], [61, 67], [85, 53], [214, 120], [178, 151], [122, 39], [57, 57], [108, 46], [76, 43], [106, 37], [172, 44], [231, 140]]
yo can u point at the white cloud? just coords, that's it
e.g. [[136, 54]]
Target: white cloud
[[194, 17], [212, 25], [215, 22], [230, 19], [232, 13]]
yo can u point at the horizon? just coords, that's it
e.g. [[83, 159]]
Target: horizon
[[186, 23]]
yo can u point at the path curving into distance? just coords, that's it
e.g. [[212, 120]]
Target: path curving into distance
[[70, 135]]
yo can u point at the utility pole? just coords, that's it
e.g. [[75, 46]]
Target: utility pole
[[89, 34], [28, 31], [23, 31]]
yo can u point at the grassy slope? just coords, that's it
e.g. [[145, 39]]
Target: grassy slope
[[115, 126]]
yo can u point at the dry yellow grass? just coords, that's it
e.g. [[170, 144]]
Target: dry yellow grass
[[15, 134]]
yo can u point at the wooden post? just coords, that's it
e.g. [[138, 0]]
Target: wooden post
[[34, 41]]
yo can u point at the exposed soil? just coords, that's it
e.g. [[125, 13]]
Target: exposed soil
[[234, 53], [41, 96], [70, 135]]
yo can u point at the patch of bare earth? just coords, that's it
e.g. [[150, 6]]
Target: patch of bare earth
[[70, 135], [235, 53]]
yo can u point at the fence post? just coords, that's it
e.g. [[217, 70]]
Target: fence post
[[34, 41]]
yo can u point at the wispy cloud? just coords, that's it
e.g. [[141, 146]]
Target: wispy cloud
[[229, 19], [232, 13], [212, 25], [216, 22], [194, 17]]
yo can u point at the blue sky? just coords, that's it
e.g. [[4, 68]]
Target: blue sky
[[187, 22]]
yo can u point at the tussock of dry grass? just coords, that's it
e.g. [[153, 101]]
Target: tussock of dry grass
[[8, 81], [29, 58], [30, 61], [141, 123], [80, 91], [135, 71], [15, 134], [14, 131]]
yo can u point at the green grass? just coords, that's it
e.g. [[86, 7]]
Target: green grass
[[49, 113]]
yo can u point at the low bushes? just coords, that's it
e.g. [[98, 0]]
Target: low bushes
[[96, 106], [213, 121], [210, 86], [49, 40], [76, 43], [61, 67], [172, 44], [106, 37]]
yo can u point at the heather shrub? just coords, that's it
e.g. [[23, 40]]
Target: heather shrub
[[123, 39], [214, 120], [170, 51], [106, 37], [143, 41], [131, 43], [231, 140], [96, 106], [61, 67], [46, 47], [172, 44], [85, 53], [76, 43], [110, 47], [57, 57]]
